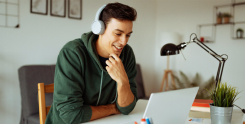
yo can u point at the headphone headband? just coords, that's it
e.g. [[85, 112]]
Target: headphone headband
[[98, 26], [97, 16]]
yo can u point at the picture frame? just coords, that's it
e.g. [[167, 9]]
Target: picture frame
[[58, 8], [75, 9], [39, 7]]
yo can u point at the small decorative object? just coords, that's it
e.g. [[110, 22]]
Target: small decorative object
[[39, 7], [219, 18], [58, 8], [223, 98], [202, 39], [239, 33], [75, 9], [206, 39], [227, 17]]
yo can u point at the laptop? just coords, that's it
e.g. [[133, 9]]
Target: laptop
[[171, 107]]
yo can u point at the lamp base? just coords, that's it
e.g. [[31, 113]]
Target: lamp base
[[165, 78]]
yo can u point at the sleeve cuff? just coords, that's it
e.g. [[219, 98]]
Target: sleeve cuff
[[127, 109], [87, 113]]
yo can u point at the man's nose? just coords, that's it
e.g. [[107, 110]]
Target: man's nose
[[124, 40]]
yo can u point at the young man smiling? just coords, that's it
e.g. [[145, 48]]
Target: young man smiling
[[95, 74]]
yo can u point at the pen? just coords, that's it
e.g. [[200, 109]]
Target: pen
[[147, 120]]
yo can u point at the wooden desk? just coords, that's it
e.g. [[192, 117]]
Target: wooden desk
[[137, 114]]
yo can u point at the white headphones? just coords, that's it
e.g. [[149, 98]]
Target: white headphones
[[98, 26]]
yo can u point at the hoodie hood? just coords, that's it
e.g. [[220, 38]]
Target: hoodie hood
[[89, 40]]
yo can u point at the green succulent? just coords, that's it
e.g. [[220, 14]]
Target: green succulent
[[227, 15], [223, 95], [239, 29]]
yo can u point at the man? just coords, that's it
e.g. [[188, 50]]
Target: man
[[94, 75]]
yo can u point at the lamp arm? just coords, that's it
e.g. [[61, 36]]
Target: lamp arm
[[215, 55]]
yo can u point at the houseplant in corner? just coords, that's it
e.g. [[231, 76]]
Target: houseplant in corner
[[227, 17], [239, 33], [223, 98]]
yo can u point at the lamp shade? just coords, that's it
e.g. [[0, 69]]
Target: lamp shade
[[169, 49], [168, 37]]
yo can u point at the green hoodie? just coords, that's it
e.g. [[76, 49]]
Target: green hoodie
[[81, 81]]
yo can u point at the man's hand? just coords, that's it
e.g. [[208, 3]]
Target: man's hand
[[117, 72], [116, 69]]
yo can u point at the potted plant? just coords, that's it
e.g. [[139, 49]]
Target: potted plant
[[239, 33], [219, 18], [223, 98], [227, 17]]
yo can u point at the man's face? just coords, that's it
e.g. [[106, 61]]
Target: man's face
[[116, 36]]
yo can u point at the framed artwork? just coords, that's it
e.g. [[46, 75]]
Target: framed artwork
[[58, 8], [39, 7], [75, 9]]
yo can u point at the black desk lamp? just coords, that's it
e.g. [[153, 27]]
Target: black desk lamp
[[171, 49]]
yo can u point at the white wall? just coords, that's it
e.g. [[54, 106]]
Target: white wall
[[39, 39], [182, 17]]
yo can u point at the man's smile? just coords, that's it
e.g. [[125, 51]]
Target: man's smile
[[117, 48]]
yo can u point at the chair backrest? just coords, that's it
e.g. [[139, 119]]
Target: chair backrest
[[29, 77], [43, 110]]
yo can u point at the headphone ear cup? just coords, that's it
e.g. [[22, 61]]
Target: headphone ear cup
[[98, 27]]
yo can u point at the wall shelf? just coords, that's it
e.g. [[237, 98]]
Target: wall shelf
[[215, 24], [238, 38]]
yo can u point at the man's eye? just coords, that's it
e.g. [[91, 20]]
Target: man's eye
[[128, 35], [118, 34]]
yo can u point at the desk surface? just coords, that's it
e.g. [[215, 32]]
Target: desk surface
[[135, 115], [138, 112]]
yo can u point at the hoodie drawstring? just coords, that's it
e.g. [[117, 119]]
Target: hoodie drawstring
[[100, 88], [115, 97], [101, 81]]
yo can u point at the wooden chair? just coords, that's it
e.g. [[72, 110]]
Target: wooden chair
[[43, 110]]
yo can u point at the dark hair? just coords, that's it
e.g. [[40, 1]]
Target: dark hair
[[118, 11]]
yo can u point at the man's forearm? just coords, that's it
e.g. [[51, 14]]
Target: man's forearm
[[125, 95], [117, 72], [103, 111]]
